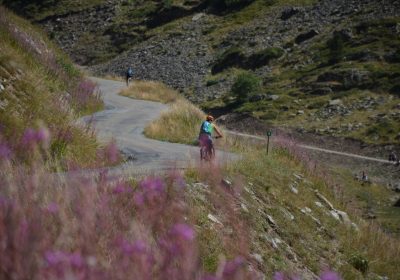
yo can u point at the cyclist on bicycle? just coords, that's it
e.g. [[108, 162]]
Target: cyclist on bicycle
[[129, 75], [206, 130]]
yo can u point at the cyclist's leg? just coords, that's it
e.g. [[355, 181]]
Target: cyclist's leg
[[210, 148]]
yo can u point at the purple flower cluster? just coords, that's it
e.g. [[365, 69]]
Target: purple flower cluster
[[103, 229], [85, 95], [33, 138]]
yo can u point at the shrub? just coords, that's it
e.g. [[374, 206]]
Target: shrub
[[336, 48], [263, 57], [231, 57], [229, 4], [395, 90], [245, 85], [359, 262]]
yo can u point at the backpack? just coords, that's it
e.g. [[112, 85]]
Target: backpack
[[206, 128]]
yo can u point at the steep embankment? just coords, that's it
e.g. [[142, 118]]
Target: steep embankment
[[41, 90]]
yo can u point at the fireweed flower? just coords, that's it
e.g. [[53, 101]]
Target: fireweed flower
[[52, 208], [29, 138], [152, 184], [121, 188], [76, 260], [183, 231], [232, 267], [330, 275], [111, 152], [54, 257], [139, 199], [279, 276], [5, 152]]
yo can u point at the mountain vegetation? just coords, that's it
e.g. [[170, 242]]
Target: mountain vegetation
[[40, 89], [322, 67], [327, 67]]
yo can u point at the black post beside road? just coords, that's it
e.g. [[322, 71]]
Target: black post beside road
[[269, 134]]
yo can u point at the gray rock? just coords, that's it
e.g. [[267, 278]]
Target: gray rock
[[294, 190], [197, 16], [272, 97], [258, 258], [226, 183], [306, 36], [244, 208], [306, 210], [335, 102], [214, 219], [324, 200], [319, 204], [1, 87], [335, 214], [344, 217]]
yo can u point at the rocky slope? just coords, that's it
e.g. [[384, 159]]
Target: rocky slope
[[327, 67]]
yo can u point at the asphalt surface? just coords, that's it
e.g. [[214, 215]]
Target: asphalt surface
[[125, 119]]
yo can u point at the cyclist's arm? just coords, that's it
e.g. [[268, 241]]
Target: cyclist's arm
[[219, 133]]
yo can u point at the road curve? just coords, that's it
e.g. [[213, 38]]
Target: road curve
[[125, 119]]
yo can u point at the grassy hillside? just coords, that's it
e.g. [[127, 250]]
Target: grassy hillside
[[347, 85], [41, 89], [282, 212]]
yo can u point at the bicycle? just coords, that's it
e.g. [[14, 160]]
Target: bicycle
[[128, 81], [207, 150]]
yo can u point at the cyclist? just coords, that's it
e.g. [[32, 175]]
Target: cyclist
[[129, 75], [206, 131]]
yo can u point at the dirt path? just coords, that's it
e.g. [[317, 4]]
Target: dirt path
[[318, 149], [124, 120]]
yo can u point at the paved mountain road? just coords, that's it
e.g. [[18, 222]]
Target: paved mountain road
[[125, 119]]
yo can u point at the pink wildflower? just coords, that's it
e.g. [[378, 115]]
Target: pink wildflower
[[183, 231], [330, 275]]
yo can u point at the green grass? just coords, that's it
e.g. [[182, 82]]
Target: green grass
[[267, 178], [33, 97], [43, 9]]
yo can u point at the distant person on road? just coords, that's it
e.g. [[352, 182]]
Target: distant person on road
[[393, 157], [206, 130], [129, 75]]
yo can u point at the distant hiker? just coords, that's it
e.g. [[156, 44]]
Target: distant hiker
[[393, 157], [129, 76]]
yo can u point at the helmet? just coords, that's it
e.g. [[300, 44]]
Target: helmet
[[210, 118]]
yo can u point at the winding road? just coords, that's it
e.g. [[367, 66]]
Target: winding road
[[125, 119]]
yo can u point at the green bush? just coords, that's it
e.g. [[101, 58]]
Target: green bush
[[230, 58], [229, 4], [360, 263], [336, 48], [263, 57], [245, 85]]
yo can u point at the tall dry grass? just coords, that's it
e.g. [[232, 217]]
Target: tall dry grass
[[151, 90], [44, 88], [180, 124]]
